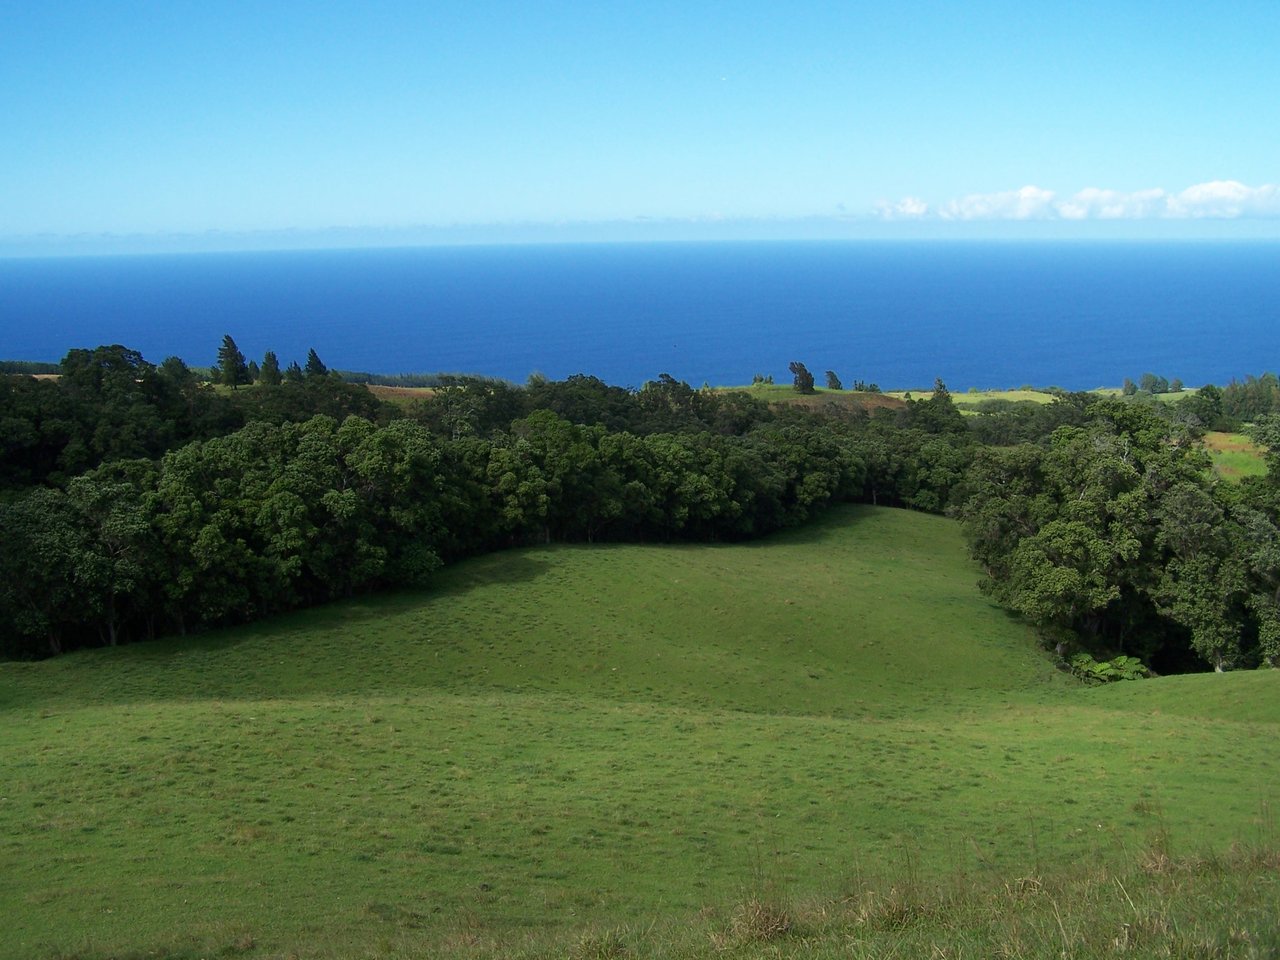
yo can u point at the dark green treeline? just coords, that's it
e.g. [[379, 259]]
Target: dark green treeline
[[137, 501]]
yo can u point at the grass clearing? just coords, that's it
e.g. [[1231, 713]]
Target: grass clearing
[[1235, 455], [601, 751], [972, 397]]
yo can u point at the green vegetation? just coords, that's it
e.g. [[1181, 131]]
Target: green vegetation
[[793, 728], [790, 745], [1097, 519], [974, 397], [1235, 455]]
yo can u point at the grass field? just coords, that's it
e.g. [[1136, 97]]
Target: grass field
[[1235, 456], [609, 751], [401, 396], [971, 398]]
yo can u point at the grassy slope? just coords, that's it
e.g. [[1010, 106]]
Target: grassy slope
[[568, 738]]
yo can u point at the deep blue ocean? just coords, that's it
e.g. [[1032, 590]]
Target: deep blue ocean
[[977, 314]]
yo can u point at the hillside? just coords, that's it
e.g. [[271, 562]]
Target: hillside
[[568, 739]]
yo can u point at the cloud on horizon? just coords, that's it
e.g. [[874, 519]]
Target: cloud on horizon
[[1216, 200]]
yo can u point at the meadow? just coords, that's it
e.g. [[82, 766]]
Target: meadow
[[825, 743], [1235, 455]]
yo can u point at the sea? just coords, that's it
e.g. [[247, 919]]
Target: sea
[[978, 314]]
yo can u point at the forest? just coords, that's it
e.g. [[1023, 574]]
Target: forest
[[138, 500]]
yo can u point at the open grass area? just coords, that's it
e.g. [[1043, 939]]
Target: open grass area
[[973, 397], [615, 750], [1235, 456]]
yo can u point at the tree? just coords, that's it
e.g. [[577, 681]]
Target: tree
[[177, 372], [803, 378], [833, 382], [293, 373], [232, 369], [269, 372], [314, 367], [1150, 383], [1129, 388]]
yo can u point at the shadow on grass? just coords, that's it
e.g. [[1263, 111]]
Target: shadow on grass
[[277, 655]]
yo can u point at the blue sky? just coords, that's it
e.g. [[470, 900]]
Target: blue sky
[[543, 119]]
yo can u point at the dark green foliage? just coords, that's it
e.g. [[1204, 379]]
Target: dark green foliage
[[1096, 519], [27, 368], [269, 373], [471, 406], [801, 377], [314, 366], [1150, 383], [396, 379], [1007, 422], [1246, 401], [937, 414], [1108, 671], [109, 404], [833, 382], [232, 370], [301, 398], [584, 400], [37, 422], [314, 500], [1205, 409], [1115, 537]]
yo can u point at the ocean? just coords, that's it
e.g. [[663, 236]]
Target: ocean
[[977, 314]]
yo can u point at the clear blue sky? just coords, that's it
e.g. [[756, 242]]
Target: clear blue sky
[[175, 116]]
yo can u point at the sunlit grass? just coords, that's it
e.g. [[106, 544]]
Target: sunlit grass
[[572, 751], [1235, 456]]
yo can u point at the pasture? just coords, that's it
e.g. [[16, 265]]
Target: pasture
[[1235, 456], [604, 751]]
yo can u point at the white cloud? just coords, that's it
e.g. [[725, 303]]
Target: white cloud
[[1217, 199], [908, 208], [1226, 199], [1094, 204], [1028, 203]]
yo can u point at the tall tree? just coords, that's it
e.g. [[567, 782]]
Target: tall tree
[[833, 382], [232, 369], [314, 367], [269, 372], [803, 379]]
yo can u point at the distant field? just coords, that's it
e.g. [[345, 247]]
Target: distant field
[[1235, 456], [557, 743], [974, 397], [401, 395]]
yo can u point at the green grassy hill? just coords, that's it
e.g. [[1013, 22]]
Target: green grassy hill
[[557, 741]]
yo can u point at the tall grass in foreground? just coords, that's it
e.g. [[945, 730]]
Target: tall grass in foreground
[[1216, 907]]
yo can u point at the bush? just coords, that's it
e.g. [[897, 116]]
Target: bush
[[1106, 671]]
